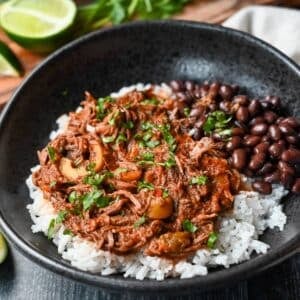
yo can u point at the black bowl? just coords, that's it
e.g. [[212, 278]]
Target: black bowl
[[105, 61]]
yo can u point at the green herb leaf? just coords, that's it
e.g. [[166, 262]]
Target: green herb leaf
[[188, 226], [108, 139], [51, 229], [142, 220], [148, 156], [52, 183], [101, 107], [152, 101], [68, 232], [151, 144], [61, 216], [186, 111], [103, 201], [145, 185], [51, 153], [165, 193], [168, 137], [171, 162], [128, 125], [201, 180], [216, 120], [95, 197], [121, 138], [212, 239], [72, 197]]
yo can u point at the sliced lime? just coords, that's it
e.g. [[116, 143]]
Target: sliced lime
[[3, 248], [39, 25], [9, 63]]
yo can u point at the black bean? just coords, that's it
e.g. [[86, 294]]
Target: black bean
[[259, 129], [213, 106], [241, 125], [292, 139], [226, 92], [296, 186], [233, 143], [254, 107], [239, 158], [273, 177], [276, 150], [274, 132], [257, 120], [214, 88], [261, 147], [251, 140], [225, 106], [284, 167], [266, 169], [262, 187], [275, 101], [282, 142], [242, 114], [177, 85], [286, 179], [237, 131], [286, 129], [241, 100], [270, 116], [291, 156], [189, 85], [291, 121], [257, 161]]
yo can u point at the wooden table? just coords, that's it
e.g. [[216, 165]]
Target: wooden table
[[20, 279]]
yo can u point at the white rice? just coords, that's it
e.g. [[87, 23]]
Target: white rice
[[237, 239]]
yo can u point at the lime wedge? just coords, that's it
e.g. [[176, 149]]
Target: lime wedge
[[39, 25], [9, 63], [3, 248]]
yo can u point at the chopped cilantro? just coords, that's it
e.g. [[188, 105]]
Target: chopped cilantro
[[112, 120], [186, 111], [187, 225], [165, 193], [101, 107], [95, 197], [128, 125], [108, 139], [145, 185], [51, 153], [171, 162], [72, 197], [148, 156], [121, 138], [58, 220], [142, 220], [68, 232], [201, 180], [168, 137], [213, 237], [216, 120], [151, 144], [152, 101], [52, 183]]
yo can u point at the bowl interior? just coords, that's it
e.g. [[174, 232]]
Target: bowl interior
[[104, 62]]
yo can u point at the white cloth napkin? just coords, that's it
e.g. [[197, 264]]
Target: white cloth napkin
[[278, 26]]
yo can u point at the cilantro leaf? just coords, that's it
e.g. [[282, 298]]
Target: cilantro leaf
[[51, 153], [145, 185], [142, 220], [201, 180], [188, 226], [212, 239]]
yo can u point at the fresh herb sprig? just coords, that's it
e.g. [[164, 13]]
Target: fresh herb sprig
[[102, 12], [217, 121]]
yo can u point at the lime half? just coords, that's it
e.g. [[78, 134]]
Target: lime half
[[39, 25], [3, 248], [9, 63]]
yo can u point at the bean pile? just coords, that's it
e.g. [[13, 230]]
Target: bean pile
[[263, 143]]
